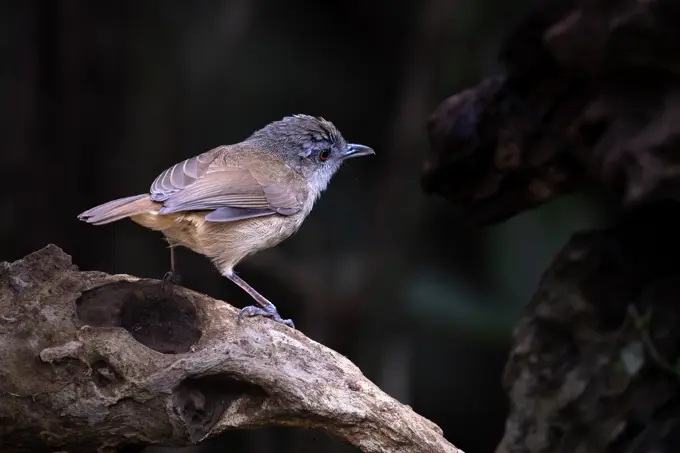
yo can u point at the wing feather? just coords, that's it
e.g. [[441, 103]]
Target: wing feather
[[182, 175], [227, 214], [220, 178]]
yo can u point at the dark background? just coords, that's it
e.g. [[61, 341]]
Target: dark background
[[98, 97]]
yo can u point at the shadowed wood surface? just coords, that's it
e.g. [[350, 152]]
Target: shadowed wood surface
[[589, 102], [92, 361], [595, 362]]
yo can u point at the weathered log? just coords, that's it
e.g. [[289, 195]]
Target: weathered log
[[90, 361]]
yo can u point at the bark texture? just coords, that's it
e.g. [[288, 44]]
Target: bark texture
[[595, 361], [96, 362]]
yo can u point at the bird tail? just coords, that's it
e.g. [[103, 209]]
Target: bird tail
[[119, 209]]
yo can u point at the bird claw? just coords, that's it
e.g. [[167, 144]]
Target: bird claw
[[269, 312], [170, 277]]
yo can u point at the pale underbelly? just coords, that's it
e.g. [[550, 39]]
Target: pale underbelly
[[225, 243]]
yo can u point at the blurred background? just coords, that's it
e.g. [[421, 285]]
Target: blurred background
[[100, 97]]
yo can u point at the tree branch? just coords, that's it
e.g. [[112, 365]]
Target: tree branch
[[98, 361]]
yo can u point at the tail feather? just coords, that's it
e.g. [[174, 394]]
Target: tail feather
[[119, 209]]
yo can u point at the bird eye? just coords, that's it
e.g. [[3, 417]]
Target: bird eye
[[325, 154]]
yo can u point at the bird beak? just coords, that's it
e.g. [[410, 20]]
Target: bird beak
[[356, 150]]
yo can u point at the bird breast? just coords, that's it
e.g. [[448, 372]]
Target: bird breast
[[228, 243]]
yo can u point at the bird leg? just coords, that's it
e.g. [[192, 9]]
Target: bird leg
[[171, 276], [268, 309]]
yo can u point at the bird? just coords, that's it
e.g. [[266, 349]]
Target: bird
[[233, 201]]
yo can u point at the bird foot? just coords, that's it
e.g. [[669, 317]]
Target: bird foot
[[170, 277], [269, 312]]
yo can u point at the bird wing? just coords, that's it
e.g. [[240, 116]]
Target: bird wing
[[222, 178]]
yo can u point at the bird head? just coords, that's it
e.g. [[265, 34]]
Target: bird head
[[310, 145]]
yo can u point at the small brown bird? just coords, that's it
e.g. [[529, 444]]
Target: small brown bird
[[236, 200]]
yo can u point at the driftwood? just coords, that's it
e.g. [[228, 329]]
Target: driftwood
[[96, 362], [589, 102]]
